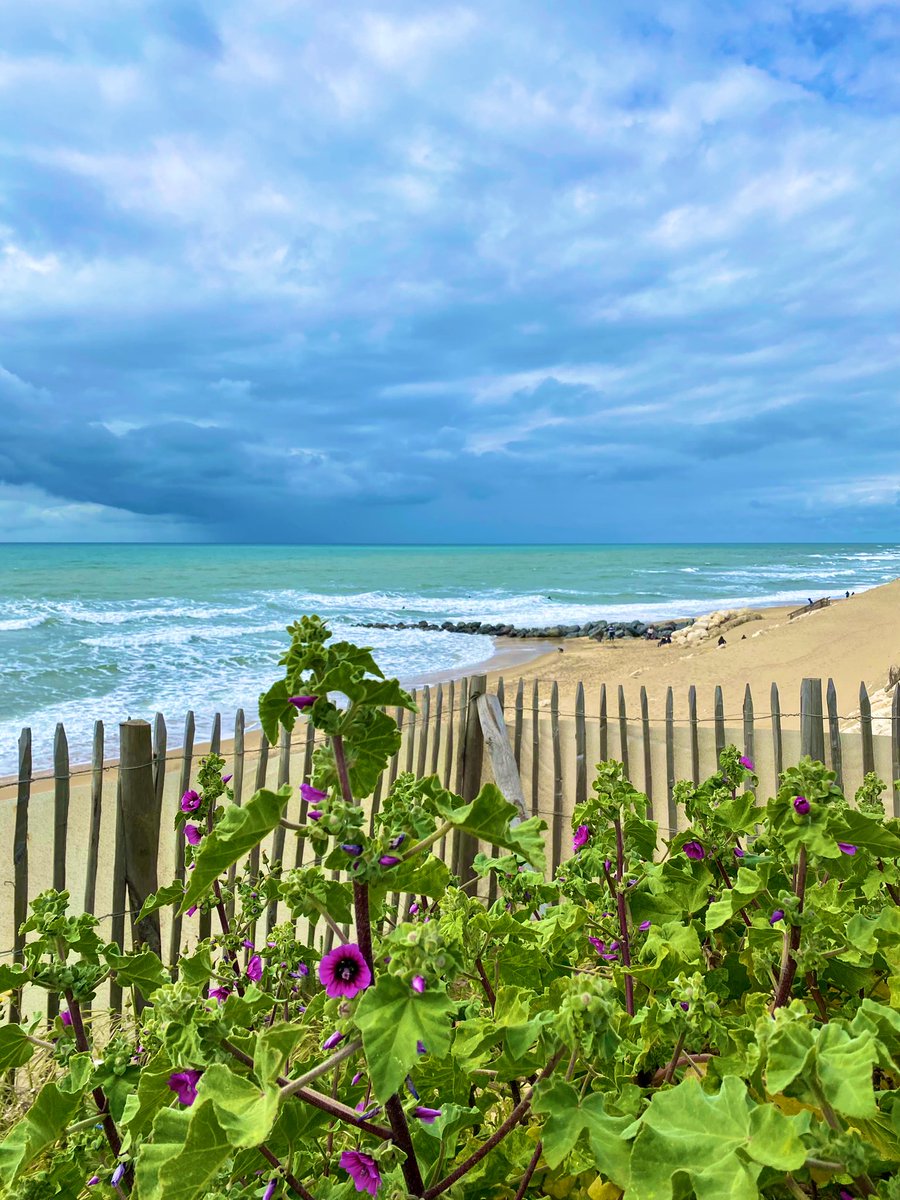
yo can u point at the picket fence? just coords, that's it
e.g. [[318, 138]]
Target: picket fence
[[106, 832]]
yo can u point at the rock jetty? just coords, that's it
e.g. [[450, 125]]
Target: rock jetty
[[714, 625], [598, 631]]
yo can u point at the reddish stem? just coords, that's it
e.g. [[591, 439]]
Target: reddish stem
[[623, 916], [529, 1171], [294, 1184], [109, 1125], [791, 940]]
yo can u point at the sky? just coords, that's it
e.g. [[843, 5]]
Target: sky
[[434, 272]]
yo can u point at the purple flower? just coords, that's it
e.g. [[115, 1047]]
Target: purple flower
[[303, 969], [247, 944], [420, 1048], [312, 795], [314, 814], [220, 993], [846, 848], [192, 910], [412, 1087], [644, 925], [418, 983], [845, 1195], [255, 969], [685, 1005], [801, 805], [301, 702], [116, 1177], [738, 852], [93, 1181], [192, 833], [184, 1085], [333, 1040], [270, 1190], [66, 1017], [190, 801], [777, 915], [607, 865], [344, 972], [227, 778], [388, 860], [427, 1115], [362, 1169], [396, 842], [597, 944], [581, 838], [745, 762], [413, 909], [694, 850], [356, 1078], [351, 849]]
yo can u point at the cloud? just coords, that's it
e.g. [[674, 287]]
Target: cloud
[[441, 271]]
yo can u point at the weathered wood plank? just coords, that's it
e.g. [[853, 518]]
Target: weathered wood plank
[[812, 731], [412, 730], [580, 747], [93, 847], [20, 860], [278, 839], [623, 732], [462, 720], [424, 720], [237, 787], [694, 725], [140, 806], [215, 737], [262, 768], [749, 728], [466, 846], [400, 716], [119, 888], [834, 734], [517, 722], [308, 750], [451, 718], [895, 750], [556, 826], [645, 744], [719, 721], [865, 730], [535, 750], [496, 741], [187, 755], [61, 799], [437, 730], [777, 738], [671, 808], [501, 693], [604, 725]]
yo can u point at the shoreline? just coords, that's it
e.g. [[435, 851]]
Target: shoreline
[[638, 662]]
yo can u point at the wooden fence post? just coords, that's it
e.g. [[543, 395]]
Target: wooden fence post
[[865, 730], [141, 810], [834, 735], [20, 860], [812, 728], [472, 765]]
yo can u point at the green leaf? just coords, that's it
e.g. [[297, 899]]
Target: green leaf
[[567, 1118], [195, 969], [185, 1155], [152, 1094], [844, 1065], [142, 970], [239, 830], [45, 1120], [712, 1141], [869, 834], [392, 1018], [15, 1048], [428, 876], [12, 976], [274, 710], [162, 899], [245, 1111], [81, 1069], [488, 818], [273, 1047]]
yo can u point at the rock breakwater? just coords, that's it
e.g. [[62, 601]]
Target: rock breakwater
[[598, 631]]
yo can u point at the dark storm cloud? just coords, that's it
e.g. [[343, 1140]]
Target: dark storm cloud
[[446, 272]]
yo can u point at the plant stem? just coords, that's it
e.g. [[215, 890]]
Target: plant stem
[[334, 1108], [794, 1188], [673, 1062], [39, 1042], [294, 1184], [330, 922], [791, 942], [623, 915], [429, 841], [496, 1137], [412, 1175], [109, 1125], [486, 983], [297, 1085], [813, 984], [529, 1171]]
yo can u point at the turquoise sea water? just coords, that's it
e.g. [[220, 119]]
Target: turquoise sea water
[[108, 631]]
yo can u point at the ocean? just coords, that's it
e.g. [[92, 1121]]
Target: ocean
[[118, 631]]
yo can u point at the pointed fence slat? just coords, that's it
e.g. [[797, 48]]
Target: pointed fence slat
[[237, 787], [262, 768], [20, 860], [777, 738], [645, 744], [517, 723], [465, 845], [865, 730], [284, 777], [623, 732], [437, 731], [215, 737], [308, 751], [671, 811], [160, 746], [117, 921], [501, 692], [557, 818], [580, 747], [719, 721], [411, 731], [61, 798], [834, 734], [451, 717], [535, 750], [604, 725], [749, 730], [812, 730], [895, 750], [425, 720], [462, 719], [694, 726], [184, 782], [93, 847]]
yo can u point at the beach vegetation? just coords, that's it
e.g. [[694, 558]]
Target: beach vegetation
[[716, 1015]]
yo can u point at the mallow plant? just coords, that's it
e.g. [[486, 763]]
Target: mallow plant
[[713, 1016]]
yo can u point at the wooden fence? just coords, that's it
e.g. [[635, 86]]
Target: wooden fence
[[106, 831]]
